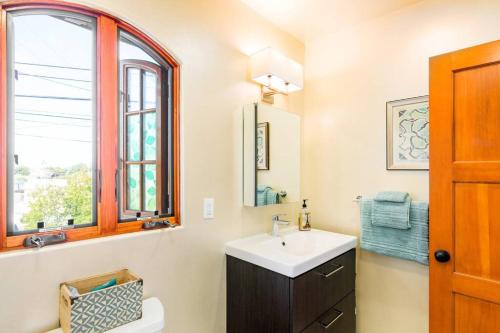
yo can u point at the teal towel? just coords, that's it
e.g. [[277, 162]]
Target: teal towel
[[391, 214], [108, 284], [262, 195], [410, 244], [263, 188], [266, 196], [272, 198], [391, 196]]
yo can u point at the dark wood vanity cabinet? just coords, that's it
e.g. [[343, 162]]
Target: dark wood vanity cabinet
[[320, 300]]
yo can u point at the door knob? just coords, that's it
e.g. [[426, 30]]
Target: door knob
[[442, 255]]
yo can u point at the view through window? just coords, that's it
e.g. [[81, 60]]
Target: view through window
[[52, 125]]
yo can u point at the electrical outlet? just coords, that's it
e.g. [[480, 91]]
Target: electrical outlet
[[208, 208]]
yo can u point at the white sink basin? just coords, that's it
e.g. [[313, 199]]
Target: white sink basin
[[294, 252]]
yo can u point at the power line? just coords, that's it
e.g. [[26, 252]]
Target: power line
[[40, 77], [55, 97], [52, 115], [52, 138], [53, 77], [52, 66], [48, 123]]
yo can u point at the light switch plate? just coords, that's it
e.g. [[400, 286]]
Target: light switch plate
[[208, 208]]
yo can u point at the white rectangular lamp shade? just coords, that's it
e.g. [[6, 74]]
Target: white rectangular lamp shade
[[273, 70]]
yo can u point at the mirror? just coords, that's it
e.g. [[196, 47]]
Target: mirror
[[271, 156]]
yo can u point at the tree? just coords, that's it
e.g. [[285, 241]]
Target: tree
[[46, 205], [23, 171], [78, 196], [55, 204]]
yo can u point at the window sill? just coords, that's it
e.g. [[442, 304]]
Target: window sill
[[21, 251], [86, 234]]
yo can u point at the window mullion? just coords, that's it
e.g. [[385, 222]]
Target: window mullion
[[107, 65], [3, 128]]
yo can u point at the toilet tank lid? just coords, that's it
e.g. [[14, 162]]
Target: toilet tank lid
[[152, 320]]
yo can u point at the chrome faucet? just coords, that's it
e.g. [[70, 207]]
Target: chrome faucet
[[276, 222]]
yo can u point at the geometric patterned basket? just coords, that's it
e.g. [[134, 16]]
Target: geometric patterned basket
[[100, 311]]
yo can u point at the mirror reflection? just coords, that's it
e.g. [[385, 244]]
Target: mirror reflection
[[271, 155]]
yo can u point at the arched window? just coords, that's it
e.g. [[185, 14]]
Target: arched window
[[88, 125]]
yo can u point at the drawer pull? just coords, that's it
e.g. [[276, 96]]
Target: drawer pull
[[336, 270], [327, 326]]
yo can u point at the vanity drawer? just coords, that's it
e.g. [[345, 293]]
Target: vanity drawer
[[341, 318], [316, 291]]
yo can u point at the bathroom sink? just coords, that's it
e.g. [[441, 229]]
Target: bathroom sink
[[294, 252]]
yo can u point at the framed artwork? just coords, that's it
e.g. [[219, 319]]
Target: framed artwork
[[262, 146], [408, 134]]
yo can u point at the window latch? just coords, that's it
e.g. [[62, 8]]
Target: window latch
[[40, 241]]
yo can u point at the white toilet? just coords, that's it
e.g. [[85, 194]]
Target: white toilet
[[152, 320]]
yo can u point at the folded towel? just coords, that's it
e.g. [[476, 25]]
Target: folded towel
[[391, 214], [391, 196], [410, 244]]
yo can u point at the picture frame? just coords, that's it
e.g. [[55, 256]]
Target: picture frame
[[407, 134], [262, 146]]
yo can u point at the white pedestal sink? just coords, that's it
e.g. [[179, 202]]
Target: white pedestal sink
[[294, 252]]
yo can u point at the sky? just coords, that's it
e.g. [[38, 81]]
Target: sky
[[53, 132]]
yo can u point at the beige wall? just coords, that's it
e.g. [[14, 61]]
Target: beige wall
[[185, 268], [349, 77]]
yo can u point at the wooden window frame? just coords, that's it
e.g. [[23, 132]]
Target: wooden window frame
[[107, 122], [161, 161]]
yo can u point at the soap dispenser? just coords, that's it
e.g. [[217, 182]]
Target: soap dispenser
[[304, 218]]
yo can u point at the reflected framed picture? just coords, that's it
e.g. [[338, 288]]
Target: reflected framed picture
[[408, 134], [262, 139]]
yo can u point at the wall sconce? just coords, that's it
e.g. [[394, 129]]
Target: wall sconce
[[276, 74]]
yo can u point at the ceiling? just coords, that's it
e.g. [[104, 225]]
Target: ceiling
[[306, 19]]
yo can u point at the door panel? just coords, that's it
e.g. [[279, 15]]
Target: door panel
[[477, 102], [465, 190], [473, 315], [477, 230]]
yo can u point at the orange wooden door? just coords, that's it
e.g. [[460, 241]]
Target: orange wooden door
[[465, 191]]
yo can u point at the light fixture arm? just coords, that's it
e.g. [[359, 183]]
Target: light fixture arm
[[267, 92]]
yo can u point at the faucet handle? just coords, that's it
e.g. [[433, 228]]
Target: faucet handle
[[276, 217]]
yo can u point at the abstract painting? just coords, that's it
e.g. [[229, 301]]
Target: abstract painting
[[263, 146], [408, 134]]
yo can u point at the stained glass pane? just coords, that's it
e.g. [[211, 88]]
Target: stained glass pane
[[133, 138], [150, 187], [133, 89], [149, 136], [134, 187], [149, 90]]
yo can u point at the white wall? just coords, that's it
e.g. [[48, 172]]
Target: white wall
[[184, 267], [349, 77]]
